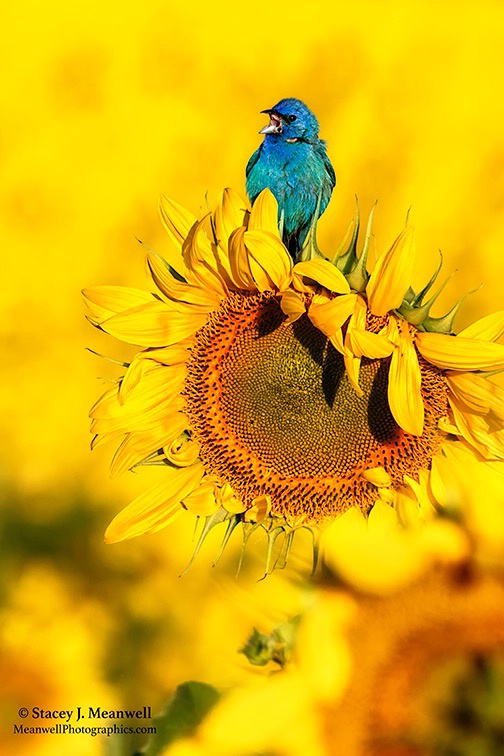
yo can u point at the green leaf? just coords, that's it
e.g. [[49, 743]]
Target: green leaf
[[189, 706]]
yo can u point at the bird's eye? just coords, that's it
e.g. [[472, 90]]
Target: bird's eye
[[292, 118]]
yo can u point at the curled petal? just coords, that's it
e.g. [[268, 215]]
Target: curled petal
[[182, 451], [324, 273], [137, 446], [202, 262], [177, 222], [378, 476], [202, 502], [293, 305], [329, 316], [260, 509]]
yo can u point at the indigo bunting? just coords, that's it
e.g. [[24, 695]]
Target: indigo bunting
[[292, 162]]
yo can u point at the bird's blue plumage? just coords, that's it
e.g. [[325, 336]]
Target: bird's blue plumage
[[292, 162]]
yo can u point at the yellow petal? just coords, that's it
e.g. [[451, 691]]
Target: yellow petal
[[137, 446], [489, 328], [378, 476], [157, 507], [239, 262], [478, 394], [293, 305], [330, 316], [391, 277], [178, 290], [324, 273], [154, 324], [476, 431], [271, 258], [182, 452], [157, 394], [459, 353], [202, 261], [404, 397], [352, 367], [105, 301], [260, 509], [229, 214], [264, 214], [202, 502], [228, 500], [337, 341], [177, 222], [371, 345]]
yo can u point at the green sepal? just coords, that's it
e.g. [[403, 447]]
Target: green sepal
[[418, 298], [210, 522], [310, 249], [358, 277], [261, 649], [419, 314], [445, 323], [189, 706], [348, 259]]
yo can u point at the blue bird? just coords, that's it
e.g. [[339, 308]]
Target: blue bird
[[292, 162]]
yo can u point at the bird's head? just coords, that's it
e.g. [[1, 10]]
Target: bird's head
[[292, 121]]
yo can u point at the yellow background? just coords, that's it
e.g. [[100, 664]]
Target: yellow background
[[104, 106]]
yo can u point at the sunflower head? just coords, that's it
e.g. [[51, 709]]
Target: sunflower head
[[277, 396]]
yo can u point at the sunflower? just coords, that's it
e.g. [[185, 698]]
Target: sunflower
[[280, 394], [406, 662]]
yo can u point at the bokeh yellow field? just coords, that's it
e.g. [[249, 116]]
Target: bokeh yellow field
[[105, 106]]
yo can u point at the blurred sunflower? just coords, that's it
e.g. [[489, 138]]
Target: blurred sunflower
[[402, 666], [280, 394]]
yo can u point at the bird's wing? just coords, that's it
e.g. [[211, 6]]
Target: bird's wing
[[253, 160], [329, 169]]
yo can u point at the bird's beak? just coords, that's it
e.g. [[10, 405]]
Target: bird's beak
[[275, 124]]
